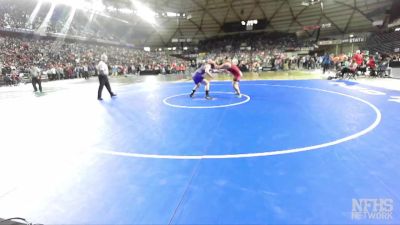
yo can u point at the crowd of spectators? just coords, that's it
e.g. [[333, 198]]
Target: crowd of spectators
[[357, 63], [388, 41], [65, 59], [17, 15], [257, 50], [271, 60], [361, 63], [59, 59], [394, 57], [264, 41]]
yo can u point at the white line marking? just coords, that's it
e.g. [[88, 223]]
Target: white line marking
[[394, 99], [269, 153], [247, 98]]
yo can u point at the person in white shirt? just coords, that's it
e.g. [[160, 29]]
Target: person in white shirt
[[102, 69], [36, 79], [52, 73], [85, 71]]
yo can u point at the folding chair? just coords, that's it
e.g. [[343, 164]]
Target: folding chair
[[382, 69], [352, 74]]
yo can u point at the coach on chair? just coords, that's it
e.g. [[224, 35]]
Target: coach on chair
[[102, 69]]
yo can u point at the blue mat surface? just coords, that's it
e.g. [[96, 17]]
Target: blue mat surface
[[286, 152]]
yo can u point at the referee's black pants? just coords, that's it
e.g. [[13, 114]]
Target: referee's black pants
[[325, 67], [103, 80], [35, 81]]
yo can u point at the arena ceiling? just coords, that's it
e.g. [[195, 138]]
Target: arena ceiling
[[206, 17]]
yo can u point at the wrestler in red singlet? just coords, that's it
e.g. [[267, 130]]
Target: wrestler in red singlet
[[235, 71], [232, 67]]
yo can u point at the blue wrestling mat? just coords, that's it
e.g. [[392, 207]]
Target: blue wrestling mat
[[286, 152]]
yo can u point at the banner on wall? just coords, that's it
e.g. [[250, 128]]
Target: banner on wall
[[343, 41]]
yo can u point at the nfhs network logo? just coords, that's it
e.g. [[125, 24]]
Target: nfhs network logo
[[372, 208]]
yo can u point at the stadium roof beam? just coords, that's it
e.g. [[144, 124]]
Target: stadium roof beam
[[203, 8], [179, 26], [234, 11], [350, 19], [68, 23], [176, 31], [274, 14], [229, 9], [202, 20], [228, 3], [252, 11], [294, 18], [318, 22], [200, 29], [355, 8], [224, 21], [161, 38], [43, 27], [257, 2], [158, 33], [208, 17], [34, 13], [333, 23]]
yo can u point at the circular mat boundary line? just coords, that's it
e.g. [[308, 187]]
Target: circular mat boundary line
[[269, 153]]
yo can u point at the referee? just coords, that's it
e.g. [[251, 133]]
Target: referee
[[102, 69], [36, 79]]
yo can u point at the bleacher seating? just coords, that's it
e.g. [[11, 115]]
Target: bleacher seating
[[384, 42]]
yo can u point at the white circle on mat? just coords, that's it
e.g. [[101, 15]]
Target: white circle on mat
[[269, 153], [245, 98]]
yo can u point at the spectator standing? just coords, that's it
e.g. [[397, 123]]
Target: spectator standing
[[326, 62], [85, 71]]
